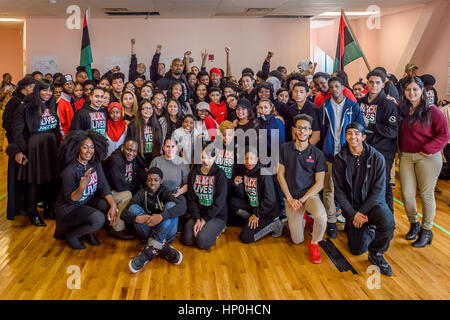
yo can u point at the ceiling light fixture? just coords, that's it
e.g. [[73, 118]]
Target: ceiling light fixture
[[10, 20], [348, 13]]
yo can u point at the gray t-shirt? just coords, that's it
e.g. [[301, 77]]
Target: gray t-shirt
[[337, 108], [175, 171]]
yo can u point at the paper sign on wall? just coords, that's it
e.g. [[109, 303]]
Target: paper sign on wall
[[123, 62], [45, 64]]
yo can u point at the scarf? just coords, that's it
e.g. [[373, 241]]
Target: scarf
[[115, 129]]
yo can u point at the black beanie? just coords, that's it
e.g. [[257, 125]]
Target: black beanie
[[356, 125], [244, 103], [428, 79]]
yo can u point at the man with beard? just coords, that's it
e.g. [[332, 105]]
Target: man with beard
[[301, 174], [175, 74]]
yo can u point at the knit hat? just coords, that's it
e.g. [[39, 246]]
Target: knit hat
[[66, 78], [215, 70], [244, 103], [428, 79], [276, 83], [203, 106], [303, 65], [411, 66]]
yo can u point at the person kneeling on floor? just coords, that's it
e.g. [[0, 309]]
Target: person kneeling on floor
[[301, 174], [154, 213], [256, 201], [359, 185]]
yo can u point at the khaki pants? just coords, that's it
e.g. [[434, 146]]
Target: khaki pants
[[422, 172], [122, 199], [297, 224], [328, 195]]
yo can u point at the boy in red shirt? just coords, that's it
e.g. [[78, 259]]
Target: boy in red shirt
[[217, 107]]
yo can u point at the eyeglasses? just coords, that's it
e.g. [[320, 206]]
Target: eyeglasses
[[159, 99], [300, 128]]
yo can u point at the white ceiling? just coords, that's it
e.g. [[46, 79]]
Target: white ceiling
[[198, 8]]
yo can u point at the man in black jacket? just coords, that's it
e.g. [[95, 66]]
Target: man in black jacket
[[175, 74], [381, 118], [359, 186], [125, 176], [91, 116], [154, 212]]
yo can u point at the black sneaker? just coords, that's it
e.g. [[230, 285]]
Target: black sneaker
[[332, 230], [378, 260], [171, 254], [145, 256]]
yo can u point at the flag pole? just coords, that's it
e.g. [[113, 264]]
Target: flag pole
[[356, 39]]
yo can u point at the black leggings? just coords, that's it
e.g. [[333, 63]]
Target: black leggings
[[85, 219], [44, 192], [389, 161], [206, 237], [247, 235]]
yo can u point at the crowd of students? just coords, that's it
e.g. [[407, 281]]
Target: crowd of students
[[187, 151]]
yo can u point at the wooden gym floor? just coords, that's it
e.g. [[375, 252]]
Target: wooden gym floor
[[34, 265]]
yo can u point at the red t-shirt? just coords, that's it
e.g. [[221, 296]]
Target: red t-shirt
[[219, 111], [321, 97]]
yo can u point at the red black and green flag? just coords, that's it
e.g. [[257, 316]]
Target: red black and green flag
[[86, 52], [347, 48]]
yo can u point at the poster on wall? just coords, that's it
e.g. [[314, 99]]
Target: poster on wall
[[45, 64], [123, 62]]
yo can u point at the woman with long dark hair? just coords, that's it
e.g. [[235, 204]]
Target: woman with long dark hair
[[35, 139], [200, 95], [85, 196], [423, 134], [173, 117], [16, 189], [146, 130], [176, 93]]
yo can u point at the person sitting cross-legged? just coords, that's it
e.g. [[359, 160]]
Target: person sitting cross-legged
[[154, 213]]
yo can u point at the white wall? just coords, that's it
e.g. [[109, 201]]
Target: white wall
[[249, 39]]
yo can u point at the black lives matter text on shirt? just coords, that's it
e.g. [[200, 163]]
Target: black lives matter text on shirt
[[225, 161], [48, 121], [251, 189], [98, 122], [204, 189]]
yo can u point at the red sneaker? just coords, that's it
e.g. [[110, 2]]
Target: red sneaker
[[308, 220], [314, 253]]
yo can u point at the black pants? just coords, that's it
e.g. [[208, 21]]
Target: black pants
[[362, 239], [17, 191], [206, 237], [85, 219], [447, 153], [389, 161], [247, 235], [44, 192]]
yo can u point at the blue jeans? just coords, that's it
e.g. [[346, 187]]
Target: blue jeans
[[163, 232]]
